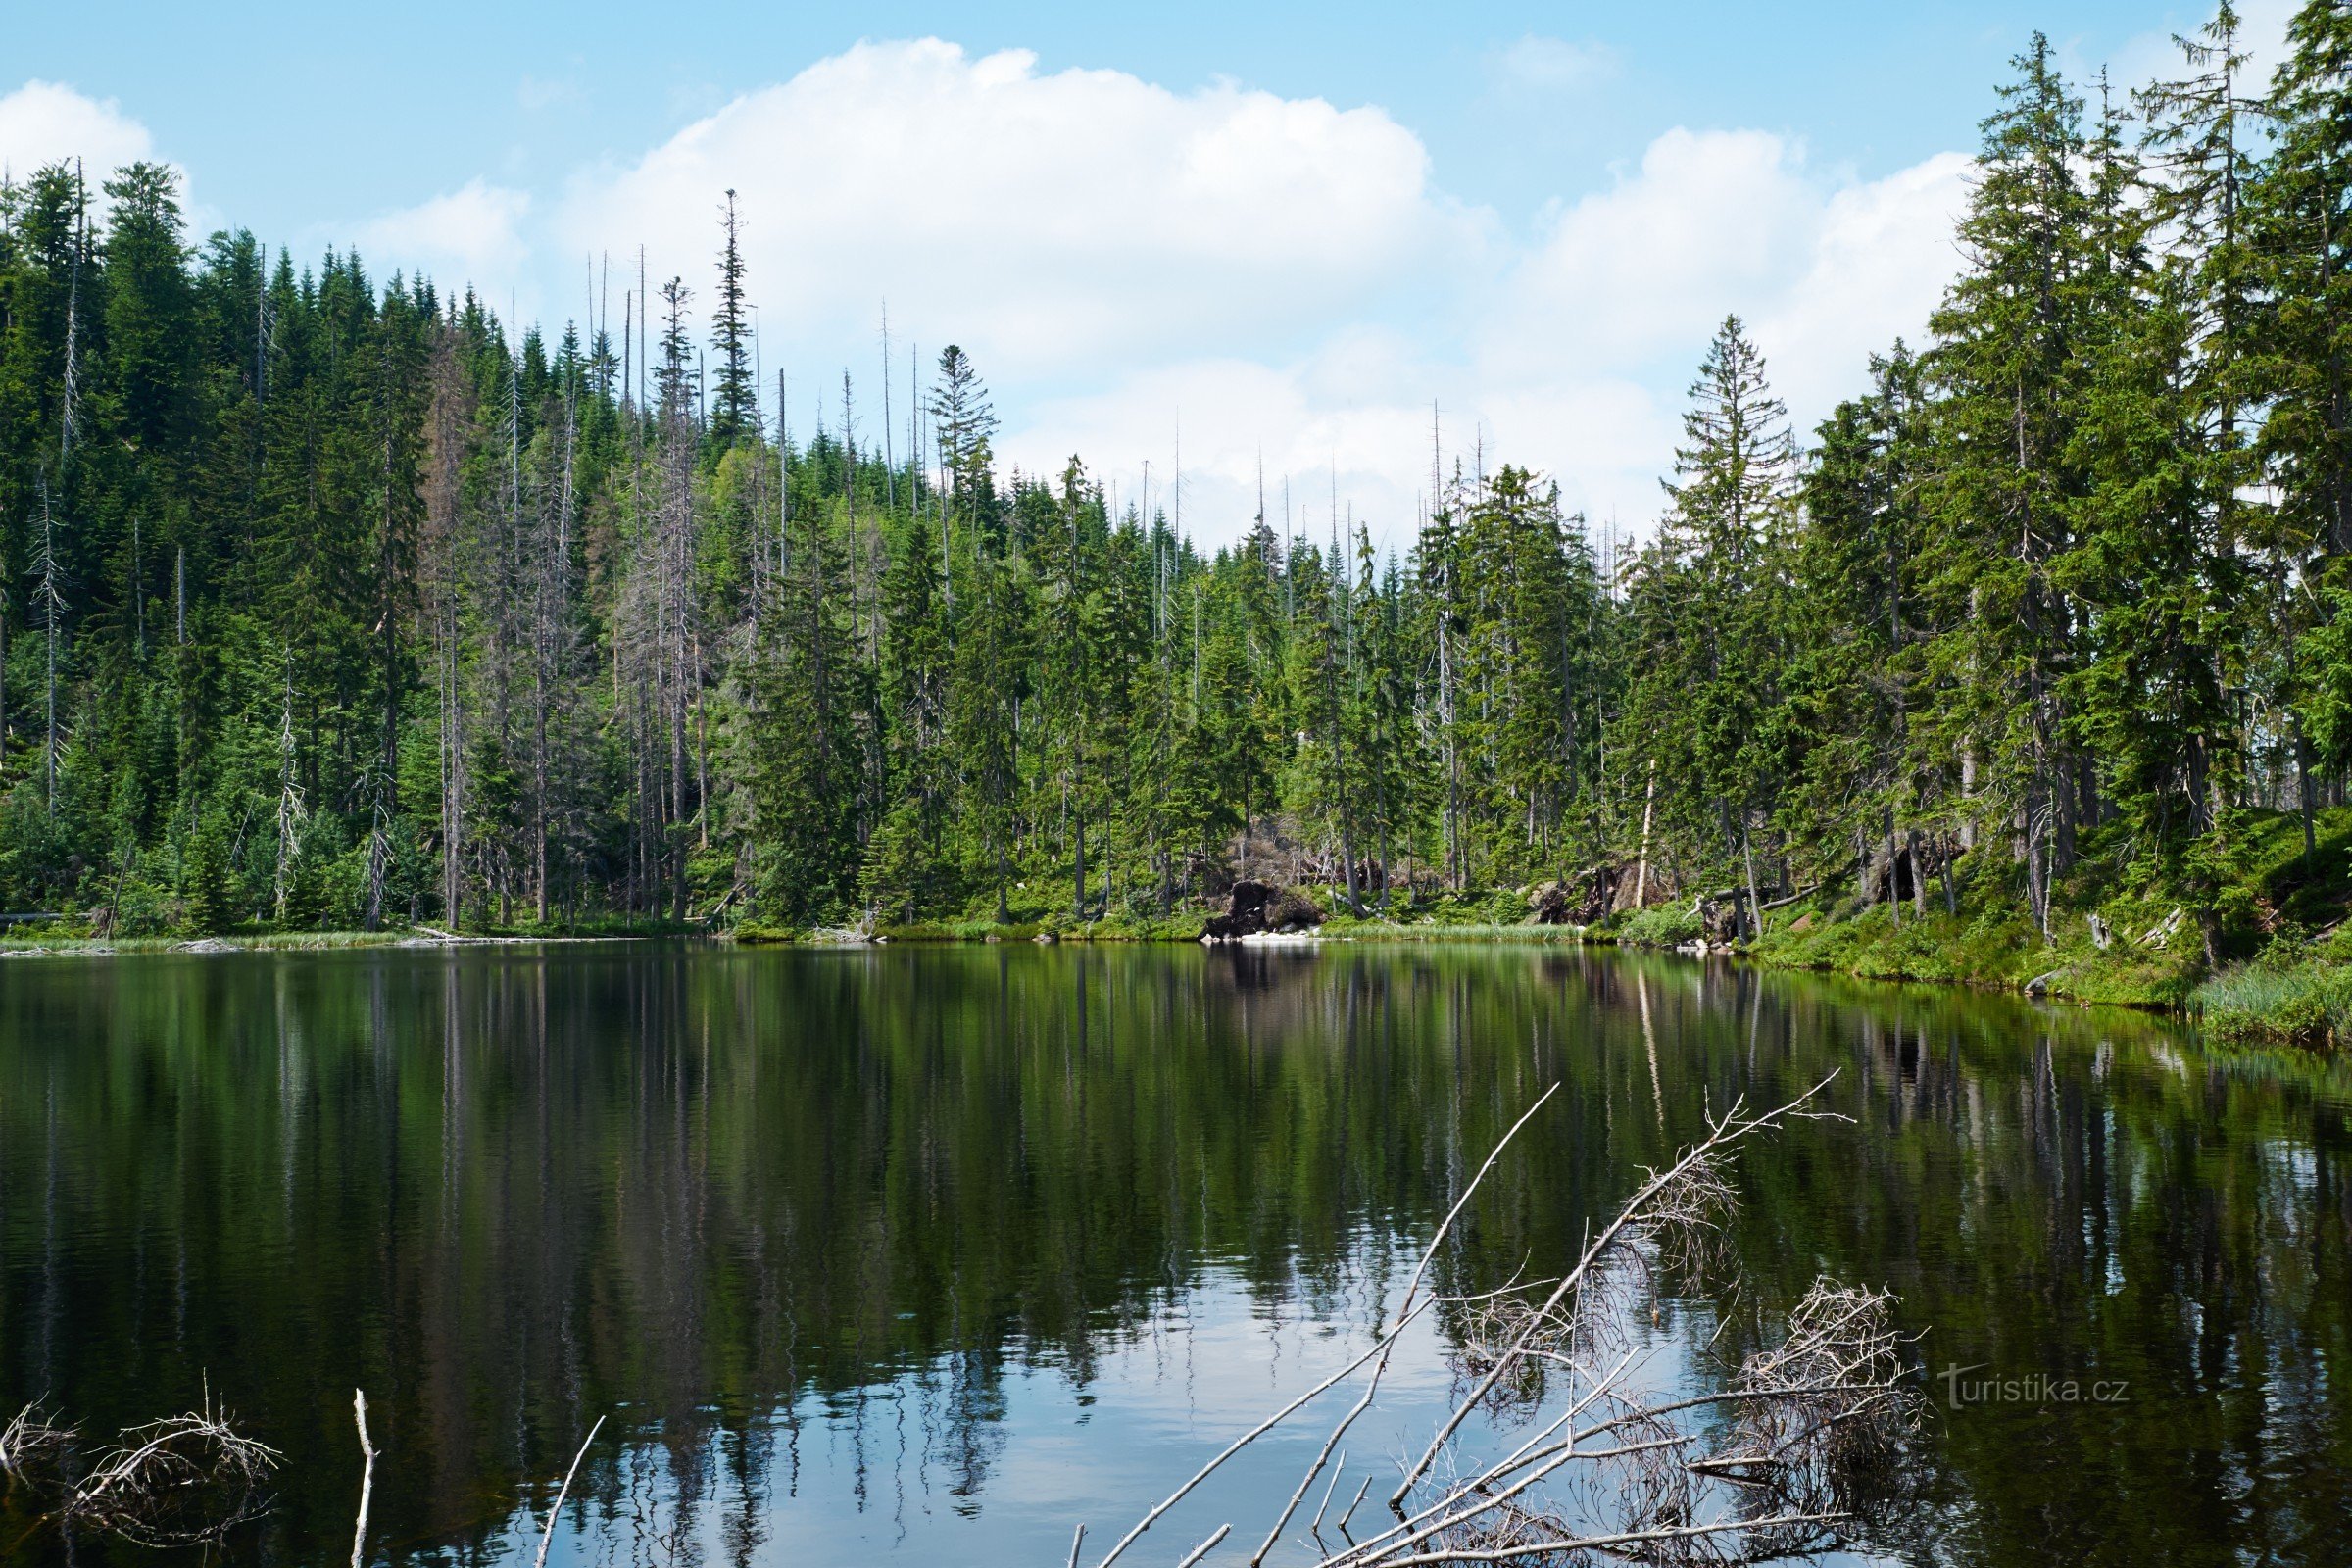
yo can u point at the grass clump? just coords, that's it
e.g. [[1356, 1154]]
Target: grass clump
[[2295, 992]]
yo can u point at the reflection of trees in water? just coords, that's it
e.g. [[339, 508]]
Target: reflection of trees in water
[[724, 1196], [2059, 1194]]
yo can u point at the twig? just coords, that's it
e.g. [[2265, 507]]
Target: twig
[[1558, 1455], [1627, 1538], [1254, 1433], [1405, 1303], [180, 1481], [549, 1534], [31, 1437], [1351, 1507], [1202, 1549], [1337, 1471], [1733, 1126], [1815, 1416], [1076, 1540], [358, 1534]]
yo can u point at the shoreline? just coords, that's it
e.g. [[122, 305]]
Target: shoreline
[[2069, 978], [2061, 975], [290, 942]]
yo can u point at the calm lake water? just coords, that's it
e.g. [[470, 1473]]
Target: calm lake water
[[926, 1254]]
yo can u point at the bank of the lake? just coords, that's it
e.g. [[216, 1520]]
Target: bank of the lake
[[2107, 948], [83, 935], [2258, 952], [2295, 990]]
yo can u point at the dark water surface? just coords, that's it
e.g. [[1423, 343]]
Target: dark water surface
[[925, 1254]]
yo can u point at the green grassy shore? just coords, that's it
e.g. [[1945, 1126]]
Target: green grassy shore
[[70, 936], [2280, 970]]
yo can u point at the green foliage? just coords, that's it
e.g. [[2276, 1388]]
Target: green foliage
[[353, 605], [2305, 1002], [1661, 925], [205, 879]]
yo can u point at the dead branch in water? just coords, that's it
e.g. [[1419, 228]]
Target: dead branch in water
[[186, 1480], [182, 1481], [359, 1533], [1407, 1310], [31, 1442], [1785, 1461], [549, 1534]]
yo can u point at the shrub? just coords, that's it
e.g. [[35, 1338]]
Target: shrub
[[205, 879], [1661, 925]]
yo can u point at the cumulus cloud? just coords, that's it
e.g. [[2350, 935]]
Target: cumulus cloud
[[1880, 257], [44, 122], [1282, 280], [1573, 360], [472, 235], [1710, 221], [1051, 223]]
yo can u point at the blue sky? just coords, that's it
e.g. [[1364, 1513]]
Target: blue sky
[[1277, 229]]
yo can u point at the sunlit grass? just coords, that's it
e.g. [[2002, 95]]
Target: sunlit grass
[[2305, 1003]]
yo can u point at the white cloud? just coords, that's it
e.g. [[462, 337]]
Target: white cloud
[[1281, 278], [1574, 362], [1052, 224], [44, 122], [1710, 221], [1880, 256], [470, 236], [1551, 65]]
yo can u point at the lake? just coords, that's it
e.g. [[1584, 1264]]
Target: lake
[[928, 1254]]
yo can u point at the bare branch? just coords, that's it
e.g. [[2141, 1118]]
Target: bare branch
[[549, 1534], [359, 1533], [1802, 1452], [182, 1481]]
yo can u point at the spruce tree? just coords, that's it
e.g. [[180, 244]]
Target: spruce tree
[[2007, 373], [735, 397], [1704, 606]]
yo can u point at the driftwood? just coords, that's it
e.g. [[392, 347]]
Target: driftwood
[[1779, 1464], [1203, 1549], [31, 1442], [184, 1481]]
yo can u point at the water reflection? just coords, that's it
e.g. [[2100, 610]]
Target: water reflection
[[934, 1251]]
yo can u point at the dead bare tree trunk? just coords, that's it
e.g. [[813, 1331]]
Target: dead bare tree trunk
[[1895, 886], [1756, 909], [1650, 803]]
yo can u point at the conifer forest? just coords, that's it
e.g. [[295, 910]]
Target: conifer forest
[[335, 601]]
